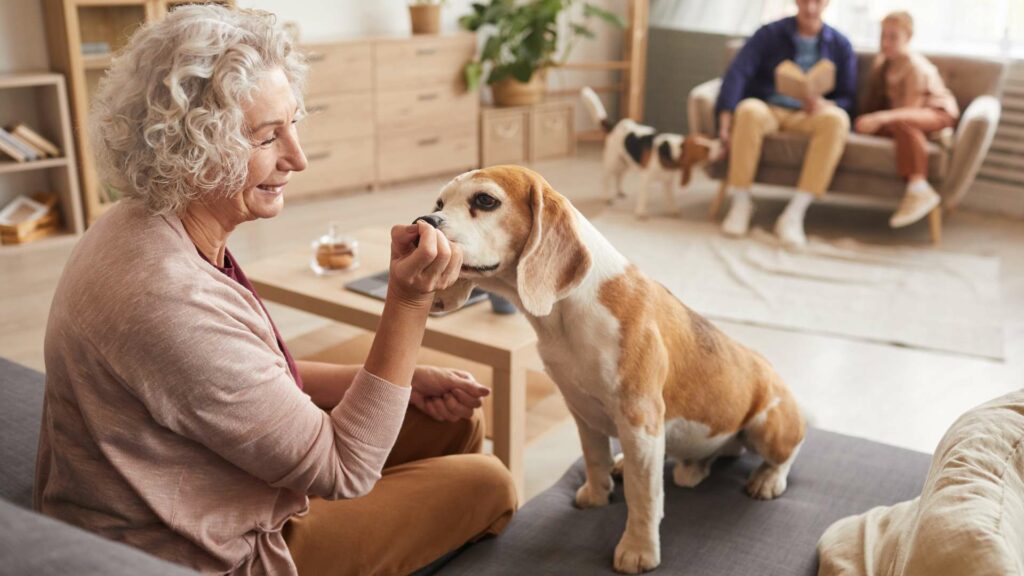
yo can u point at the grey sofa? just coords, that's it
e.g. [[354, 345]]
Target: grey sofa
[[868, 165], [712, 530]]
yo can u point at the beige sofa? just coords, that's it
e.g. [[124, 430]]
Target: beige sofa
[[868, 165]]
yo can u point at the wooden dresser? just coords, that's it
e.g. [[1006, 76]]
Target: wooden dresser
[[521, 134], [386, 110]]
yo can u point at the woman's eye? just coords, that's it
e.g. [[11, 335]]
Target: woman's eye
[[485, 201], [269, 141]]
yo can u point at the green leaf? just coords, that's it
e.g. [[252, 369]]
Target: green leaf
[[499, 73], [522, 70], [492, 49], [473, 72], [613, 19], [582, 30]]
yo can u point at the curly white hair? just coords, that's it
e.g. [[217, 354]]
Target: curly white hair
[[167, 124]]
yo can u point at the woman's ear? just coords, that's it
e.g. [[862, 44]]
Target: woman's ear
[[554, 259]]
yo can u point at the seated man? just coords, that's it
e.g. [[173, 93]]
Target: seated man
[[749, 108]]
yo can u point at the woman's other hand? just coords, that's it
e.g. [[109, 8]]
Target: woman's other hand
[[869, 123], [420, 269], [445, 394]]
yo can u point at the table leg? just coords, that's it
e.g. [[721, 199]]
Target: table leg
[[509, 408]]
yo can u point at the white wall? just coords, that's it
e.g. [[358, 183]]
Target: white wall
[[22, 38]]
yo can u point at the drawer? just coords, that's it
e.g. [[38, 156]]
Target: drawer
[[551, 132], [426, 107], [337, 117], [503, 139], [423, 61], [335, 68], [426, 152], [335, 165]]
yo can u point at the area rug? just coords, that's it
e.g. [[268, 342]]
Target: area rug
[[906, 296]]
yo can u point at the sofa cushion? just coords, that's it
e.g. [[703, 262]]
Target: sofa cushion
[[714, 529], [21, 410], [31, 543], [865, 154], [969, 518]]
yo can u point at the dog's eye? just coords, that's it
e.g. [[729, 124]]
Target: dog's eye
[[485, 201], [439, 206]]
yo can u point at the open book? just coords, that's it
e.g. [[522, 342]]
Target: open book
[[791, 81]]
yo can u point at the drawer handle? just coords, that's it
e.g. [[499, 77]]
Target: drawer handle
[[506, 131], [555, 122], [426, 51], [428, 141], [426, 97], [316, 57], [318, 156], [316, 109]]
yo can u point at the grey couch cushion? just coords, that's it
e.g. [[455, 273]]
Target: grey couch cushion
[[714, 529], [31, 543], [21, 409]]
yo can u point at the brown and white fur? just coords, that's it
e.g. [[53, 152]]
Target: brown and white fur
[[632, 361], [660, 158]]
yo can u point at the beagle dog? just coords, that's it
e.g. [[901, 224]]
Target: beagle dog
[[631, 360], [660, 158]]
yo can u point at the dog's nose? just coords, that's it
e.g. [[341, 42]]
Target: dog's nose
[[432, 219]]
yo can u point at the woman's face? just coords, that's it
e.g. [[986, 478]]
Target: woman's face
[[271, 118], [894, 40]]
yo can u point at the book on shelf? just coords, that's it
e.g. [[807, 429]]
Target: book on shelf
[[14, 148], [792, 81], [32, 137]]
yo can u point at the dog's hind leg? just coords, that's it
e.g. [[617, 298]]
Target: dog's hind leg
[[597, 454], [776, 435]]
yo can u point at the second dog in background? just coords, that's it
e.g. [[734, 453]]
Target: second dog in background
[[659, 157]]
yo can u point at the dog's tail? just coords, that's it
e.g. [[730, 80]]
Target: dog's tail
[[596, 109]]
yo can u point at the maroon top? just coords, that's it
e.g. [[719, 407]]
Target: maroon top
[[233, 271]]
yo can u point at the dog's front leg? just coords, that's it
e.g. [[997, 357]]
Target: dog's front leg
[[670, 196], [597, 454], [641, 196], [639, 549]]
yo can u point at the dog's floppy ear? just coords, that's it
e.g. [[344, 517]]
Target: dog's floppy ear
[[696, 148], [554, 260]]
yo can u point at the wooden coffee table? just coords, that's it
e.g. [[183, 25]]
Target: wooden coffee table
[[505, 343]]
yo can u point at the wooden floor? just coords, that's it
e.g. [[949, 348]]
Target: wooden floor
[[896, 395]]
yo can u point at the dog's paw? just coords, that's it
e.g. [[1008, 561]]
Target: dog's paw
[[690, 474], [767, 482], [591, 496], [618, 465], [635, 555]]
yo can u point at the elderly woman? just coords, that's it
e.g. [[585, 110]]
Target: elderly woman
[[907, 102], [175, 419]]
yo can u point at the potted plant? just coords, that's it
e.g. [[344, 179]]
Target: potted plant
[[522, 43], [425, 16]]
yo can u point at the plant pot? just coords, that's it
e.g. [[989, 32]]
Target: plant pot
[[512, 92], [426, 18]]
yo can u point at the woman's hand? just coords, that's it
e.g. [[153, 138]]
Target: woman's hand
[[419, 270], [725, 129], [445, 394], [869, 123]]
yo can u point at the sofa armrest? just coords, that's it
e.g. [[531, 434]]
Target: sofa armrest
[[700, 107], [971, 142]]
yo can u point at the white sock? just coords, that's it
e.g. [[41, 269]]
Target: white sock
[[797, 207], [741, 194], [918, 186]]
